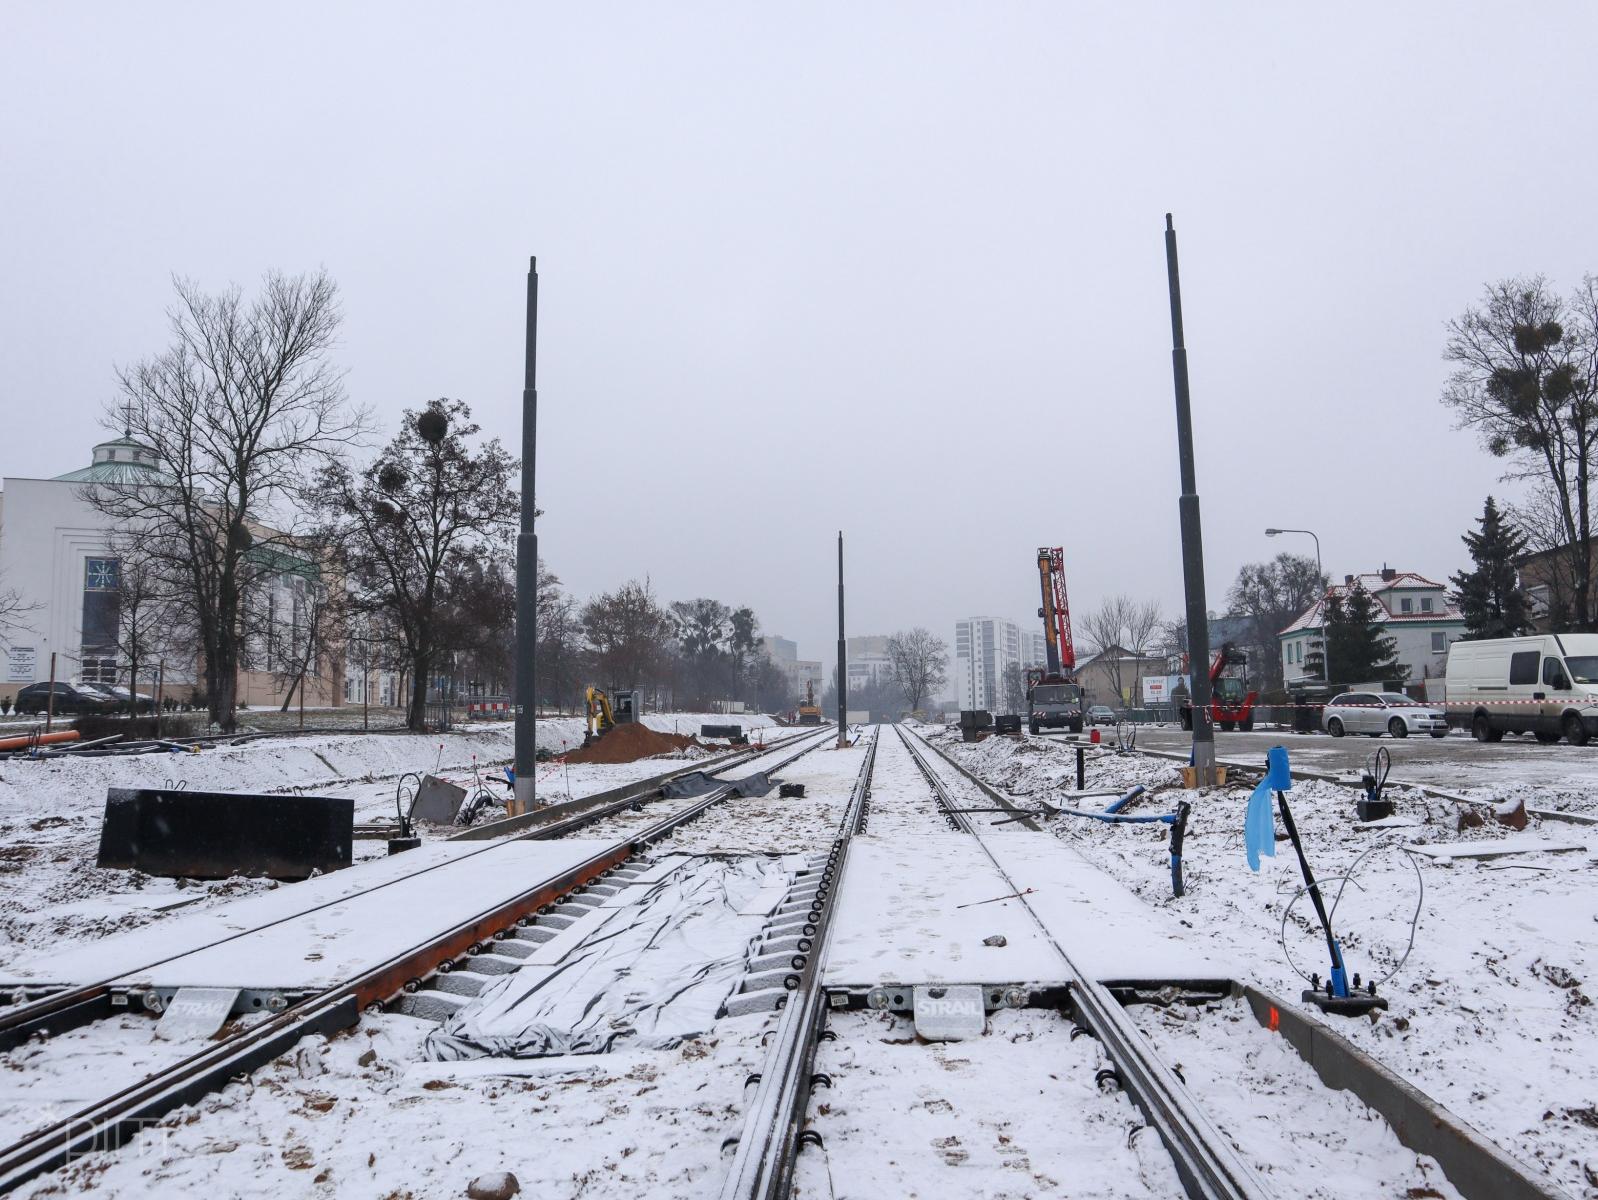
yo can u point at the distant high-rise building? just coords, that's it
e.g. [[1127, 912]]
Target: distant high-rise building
[[983, 647], [780, 649], [1034, 649]]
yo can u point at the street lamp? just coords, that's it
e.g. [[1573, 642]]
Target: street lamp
[[1311, 532]]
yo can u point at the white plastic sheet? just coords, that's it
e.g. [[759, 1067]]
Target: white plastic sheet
[[656, 972]]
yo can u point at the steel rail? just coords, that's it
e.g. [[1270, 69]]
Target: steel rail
[[1205, 1160], [107, 1123], [768, 1142]]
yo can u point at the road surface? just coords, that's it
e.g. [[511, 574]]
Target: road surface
[[1456, 761]]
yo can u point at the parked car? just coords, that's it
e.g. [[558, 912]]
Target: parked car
[[1545, 684], [124, 697], [1376, 713], [70, 699], [1101, 714]]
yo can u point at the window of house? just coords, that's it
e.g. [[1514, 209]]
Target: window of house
[[1406, 605], [1439, 643], [1425, 604]]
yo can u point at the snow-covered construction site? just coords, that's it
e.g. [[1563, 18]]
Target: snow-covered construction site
[[520, 530], [899, 962]]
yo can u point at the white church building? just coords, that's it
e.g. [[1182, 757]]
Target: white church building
[[56, 558]]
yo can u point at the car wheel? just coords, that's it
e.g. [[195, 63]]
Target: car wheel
[[1033, 728], [1334, 727], [1439, 733], [1547, 737], [1227, 726], [1247, 726], [1483, 730], [1397, 728], [1575, 730]]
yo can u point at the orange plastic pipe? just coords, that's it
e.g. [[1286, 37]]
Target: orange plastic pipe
[[43, 739]]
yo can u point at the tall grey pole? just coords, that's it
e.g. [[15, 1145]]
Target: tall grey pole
[[527, 569], [843, 666], [1198, 629]]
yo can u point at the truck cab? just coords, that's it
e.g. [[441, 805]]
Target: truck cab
[[1054, 704]]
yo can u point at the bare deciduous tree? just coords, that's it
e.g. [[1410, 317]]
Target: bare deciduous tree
[[234, 414], [1012, 685], [560, 655], [1122, 624], [14, 608], [149, 621], [629, 633], [1271, 595], [1526, 379], [400, 525], [919, 662], [314, 634]]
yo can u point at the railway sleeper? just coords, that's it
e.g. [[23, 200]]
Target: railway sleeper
[[491, 964], [432, 1005], [458, 983], [765, 1000]]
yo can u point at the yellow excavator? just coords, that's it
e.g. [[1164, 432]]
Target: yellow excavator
[[810, 711], [603, 716]]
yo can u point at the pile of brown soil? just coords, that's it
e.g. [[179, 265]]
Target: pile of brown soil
[[629, 743]]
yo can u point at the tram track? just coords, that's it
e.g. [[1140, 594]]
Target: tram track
[[109, 1121], [1206, 1160]]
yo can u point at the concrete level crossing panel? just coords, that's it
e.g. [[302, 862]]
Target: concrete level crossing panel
[[919, 909], [329, 945]]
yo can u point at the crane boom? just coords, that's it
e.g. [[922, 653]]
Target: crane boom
[[1056, 610]]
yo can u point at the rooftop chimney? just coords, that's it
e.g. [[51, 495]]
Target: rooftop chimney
[[1388, 574], [1348, 581]]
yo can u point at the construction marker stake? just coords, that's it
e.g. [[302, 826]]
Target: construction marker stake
[[1178, 832]]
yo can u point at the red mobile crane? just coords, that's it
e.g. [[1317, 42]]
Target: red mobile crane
[[1231, 699], [1053, 697]]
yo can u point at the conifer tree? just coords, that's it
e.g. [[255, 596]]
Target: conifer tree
[[1353, 648], [1490, 596]]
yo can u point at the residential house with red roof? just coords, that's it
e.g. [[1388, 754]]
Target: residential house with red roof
[[1414, 611]]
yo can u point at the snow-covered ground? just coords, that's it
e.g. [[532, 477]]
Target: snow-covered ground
[[1491, 1014], [365, 1117], [1013, 1113], [368, 1115], [50, 810]]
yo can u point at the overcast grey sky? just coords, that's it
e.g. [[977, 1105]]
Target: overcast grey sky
[[891, 268]]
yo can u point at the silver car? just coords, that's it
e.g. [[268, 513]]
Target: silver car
[[1376, 713]]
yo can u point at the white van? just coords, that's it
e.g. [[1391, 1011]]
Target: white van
[[1545, 684]]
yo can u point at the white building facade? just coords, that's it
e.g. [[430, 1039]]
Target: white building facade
[[57, 556], [869, 663]]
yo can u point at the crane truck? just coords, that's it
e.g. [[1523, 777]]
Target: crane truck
[[1053, 697]]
